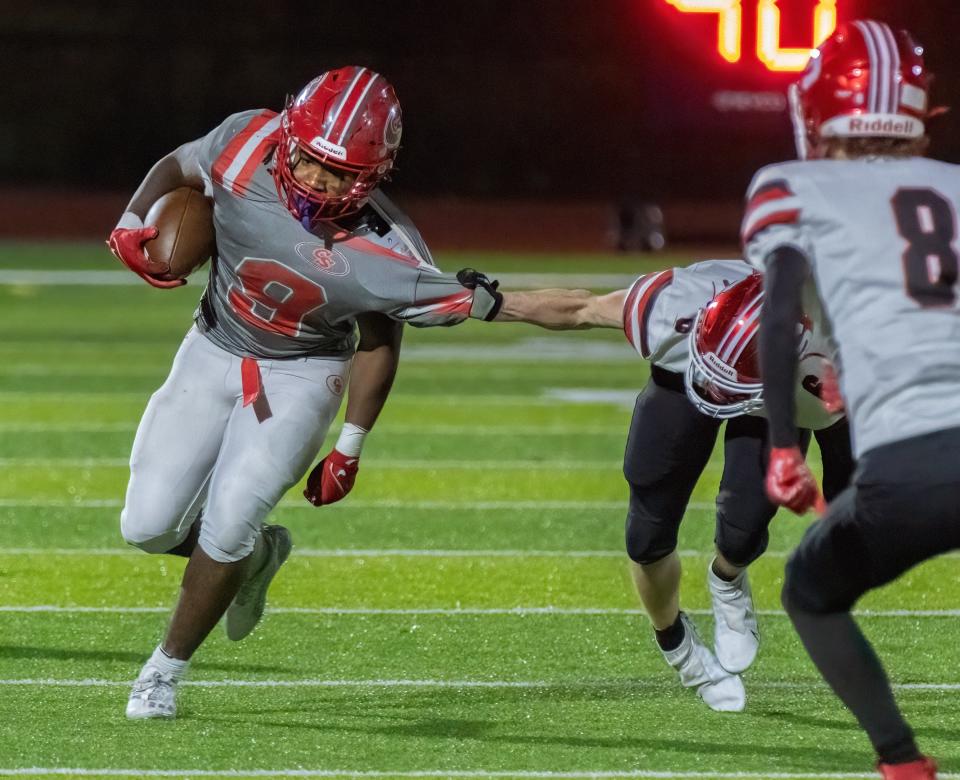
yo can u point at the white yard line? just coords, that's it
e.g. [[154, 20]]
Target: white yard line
[[435, 464], [548, 611], [36, 682], [441, 773], [386, 463], [500, 431], [559, 349], [299, 503], [396, 399]]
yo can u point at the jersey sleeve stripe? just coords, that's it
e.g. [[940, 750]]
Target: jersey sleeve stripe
[[637, 308], [237, 162], [756, 223], [766, 194], [458, 303], [369, 247]]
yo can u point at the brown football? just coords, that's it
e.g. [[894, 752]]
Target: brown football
[[186, 240]]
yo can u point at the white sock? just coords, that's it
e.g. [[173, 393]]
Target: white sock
[[166, 665], [259, 555]]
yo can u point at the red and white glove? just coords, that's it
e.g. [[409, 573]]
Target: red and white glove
[[790, 482], [126, 243], [830, 395], [331, 479]]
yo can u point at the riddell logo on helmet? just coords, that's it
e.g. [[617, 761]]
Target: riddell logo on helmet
[[718, 365], [323, 145], [893, 127]]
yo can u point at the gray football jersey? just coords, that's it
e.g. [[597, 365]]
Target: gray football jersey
[[659, 311], [880, 235], [276, 290]]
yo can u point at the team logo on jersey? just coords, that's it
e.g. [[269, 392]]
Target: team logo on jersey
[[335, 384], [330, 261]]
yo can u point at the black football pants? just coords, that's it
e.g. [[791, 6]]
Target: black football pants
[[668, 448], [902, 508]]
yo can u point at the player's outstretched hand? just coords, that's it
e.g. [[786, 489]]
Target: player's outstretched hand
[[127, 246], [830, 395], [331, 479], [790, 482]]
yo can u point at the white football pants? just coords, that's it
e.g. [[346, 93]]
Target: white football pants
[[198, 448]]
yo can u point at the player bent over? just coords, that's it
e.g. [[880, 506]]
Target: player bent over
[[694, 335], [308, 249], [869, 226]]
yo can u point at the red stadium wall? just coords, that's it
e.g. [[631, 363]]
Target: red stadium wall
[[448, 224]]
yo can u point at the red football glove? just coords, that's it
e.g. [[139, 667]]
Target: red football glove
[[830, 391], [127, 246], [790, 482], [331, 479]]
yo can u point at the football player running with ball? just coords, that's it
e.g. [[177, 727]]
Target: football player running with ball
[[867, 224], [308, 250], [697, 327]]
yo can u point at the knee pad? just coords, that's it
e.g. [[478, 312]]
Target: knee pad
[[150, 532], [740, 547], [742, 521], [649, 538]]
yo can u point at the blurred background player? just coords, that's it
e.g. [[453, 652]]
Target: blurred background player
[[869, 226], [697, 327], [307, 250]]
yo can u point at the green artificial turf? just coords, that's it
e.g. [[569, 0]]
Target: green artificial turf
[[467, 611]]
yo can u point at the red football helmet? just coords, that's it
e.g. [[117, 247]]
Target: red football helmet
[[347, 119], [865, 81], [723, 375]]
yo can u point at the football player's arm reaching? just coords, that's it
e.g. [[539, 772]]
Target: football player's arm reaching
[[789, 480], [180, 168], [371, 377], [563, 309]]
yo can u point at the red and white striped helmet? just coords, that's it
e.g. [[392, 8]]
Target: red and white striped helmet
[[723, 374], [347, 119], [864, 81]]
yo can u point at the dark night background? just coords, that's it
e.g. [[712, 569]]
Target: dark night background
[[548, 99]]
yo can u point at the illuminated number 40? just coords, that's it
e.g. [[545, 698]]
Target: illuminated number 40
[[730, 29]]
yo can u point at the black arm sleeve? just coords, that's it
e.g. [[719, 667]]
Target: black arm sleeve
[[786, 271]]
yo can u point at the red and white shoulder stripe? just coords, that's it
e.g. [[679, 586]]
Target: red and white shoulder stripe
[[771, 203], [637, 307], [450, 308], [235, 166]]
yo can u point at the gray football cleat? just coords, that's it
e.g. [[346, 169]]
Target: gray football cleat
[[736, 634], [248, 605], [154, 695], [698, 668]]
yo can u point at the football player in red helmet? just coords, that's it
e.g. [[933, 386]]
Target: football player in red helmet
[[867, 226], [338, 140], [315, 273], [697, 326]]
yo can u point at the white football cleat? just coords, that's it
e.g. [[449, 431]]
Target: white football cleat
[[736, 635], [247, 607], [154, 695], [698, 668]]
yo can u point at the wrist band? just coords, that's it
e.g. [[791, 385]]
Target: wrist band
[[351, 440]]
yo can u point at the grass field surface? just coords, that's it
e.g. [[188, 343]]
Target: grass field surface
[[466, 612]]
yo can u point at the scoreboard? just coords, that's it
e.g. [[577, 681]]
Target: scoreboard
[[724, 65], [769, 31]]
